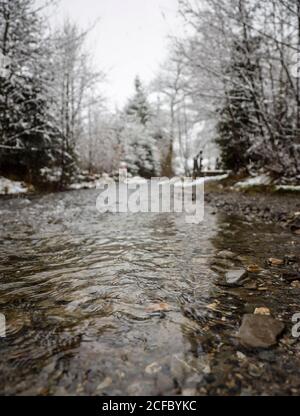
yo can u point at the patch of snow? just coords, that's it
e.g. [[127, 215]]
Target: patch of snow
[[216, 178], [8, 187], [137, 180], [205, 179], [83, 185], [51, 175], [260, 180], [291, 188]]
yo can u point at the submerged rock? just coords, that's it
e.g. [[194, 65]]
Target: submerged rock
[[153, 368], [235, 277], [260, 331], [295, 285], [226, 254], [295, 224], [291, 276], [291, 259]]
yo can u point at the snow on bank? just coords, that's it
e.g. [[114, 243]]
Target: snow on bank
[[288, 188], [8, 187], [86, 185], [200, 181], [261, 180]]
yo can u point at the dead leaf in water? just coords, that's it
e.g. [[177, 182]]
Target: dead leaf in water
[[158, 307], [213, 306], [275, 262], [105, 384], [152, 369], [262, 311], [253, 268]]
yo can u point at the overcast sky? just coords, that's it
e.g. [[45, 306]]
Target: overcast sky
[[130, 39]]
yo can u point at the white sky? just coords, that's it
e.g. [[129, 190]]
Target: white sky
[[130, 39]]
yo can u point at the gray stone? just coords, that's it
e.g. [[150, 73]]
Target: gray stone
[[260, 331], [235, 277], [226, 254]]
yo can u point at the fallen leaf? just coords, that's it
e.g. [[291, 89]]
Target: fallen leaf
[[275, 262], [262, 311], [212, 306], [253, 268], [152, 369], [158, 307], [241, 356], [105, 383]]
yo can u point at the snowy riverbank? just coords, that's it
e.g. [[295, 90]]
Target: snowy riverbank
[[9, 187]]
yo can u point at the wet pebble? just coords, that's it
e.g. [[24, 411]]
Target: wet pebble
[[260, 331], [291, 276], [235, 277], [226, 254]]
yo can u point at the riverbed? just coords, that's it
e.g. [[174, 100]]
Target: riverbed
[[131, 304]]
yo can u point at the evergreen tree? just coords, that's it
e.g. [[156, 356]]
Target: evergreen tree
[[138, 107], [238, 118], [138, 138], [28, 136]]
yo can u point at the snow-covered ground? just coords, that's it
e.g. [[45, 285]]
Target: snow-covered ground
[[86, 185], [8, 187], [261, 180], [205, 179], [289, 188]]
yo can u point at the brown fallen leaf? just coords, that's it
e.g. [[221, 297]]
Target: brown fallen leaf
[[262, 311], [275, 262], [213, 306], [158, 307], [253, 268]]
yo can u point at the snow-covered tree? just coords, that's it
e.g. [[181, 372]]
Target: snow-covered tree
[[242, 61], [28, 136], [138, 107], [137, 136], [139, 150], [74, 91]]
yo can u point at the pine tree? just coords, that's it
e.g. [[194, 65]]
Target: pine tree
[[29, 140], [138, 107], [237, 118], [140, 146]]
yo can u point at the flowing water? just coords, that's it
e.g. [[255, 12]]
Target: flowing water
[[130, 303]]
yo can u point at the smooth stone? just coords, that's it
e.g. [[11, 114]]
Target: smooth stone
[[291, 276], [234, 277], [295, 284], [226, 254], [260, 331]]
